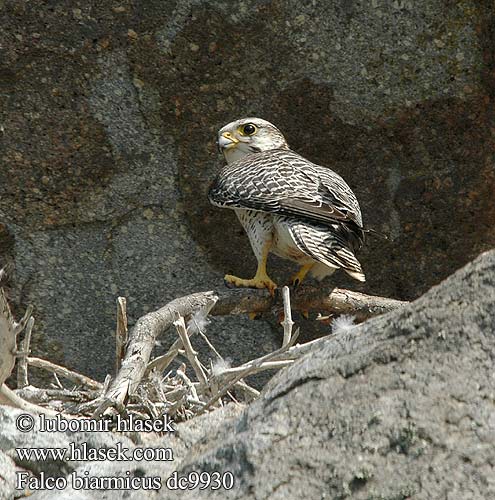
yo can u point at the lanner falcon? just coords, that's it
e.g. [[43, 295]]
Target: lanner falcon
[[286, 204]]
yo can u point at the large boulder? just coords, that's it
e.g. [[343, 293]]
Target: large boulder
[[398, 407], [7, 477], [107, 135]]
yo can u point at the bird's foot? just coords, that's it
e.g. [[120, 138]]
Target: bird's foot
[[295, 282], [259, 281], [254, 315], [298, 278]]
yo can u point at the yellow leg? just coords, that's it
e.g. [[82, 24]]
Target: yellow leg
[[301, 274], [260, 280]]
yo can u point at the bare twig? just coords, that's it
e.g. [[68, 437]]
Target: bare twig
[[8, 332], [244, 373], [267, 365], [276, 360], [120, 332], [22, 324], [57, 384], [22, 365], [287, 323], [75, 377], [141, 342], [45, 396], [175, 393], [10, 398], [181, 374], [194, 321], [251, 392], [161, 363], [180, 326]]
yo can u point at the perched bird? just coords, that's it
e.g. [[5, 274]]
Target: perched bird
[[287, 205]]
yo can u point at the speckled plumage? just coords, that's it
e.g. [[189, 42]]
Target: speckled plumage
[[308, 211]]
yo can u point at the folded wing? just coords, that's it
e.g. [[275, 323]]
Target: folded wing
[[283, 182]]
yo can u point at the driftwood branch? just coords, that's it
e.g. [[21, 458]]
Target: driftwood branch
[[8, 331], [48, 396], [306, 298], [144, 334], [22, 364], [10, 398], [175, 393], [8, 351], [75, 377], [161, 363], [287, 322], [121, 333], [247, 371], [180, 326], [142, 339]]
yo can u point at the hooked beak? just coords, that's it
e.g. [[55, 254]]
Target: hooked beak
[[226, 141]]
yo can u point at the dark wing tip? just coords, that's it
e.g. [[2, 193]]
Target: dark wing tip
[[376, 234]]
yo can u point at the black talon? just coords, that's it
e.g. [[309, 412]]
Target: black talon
[[228, 284]]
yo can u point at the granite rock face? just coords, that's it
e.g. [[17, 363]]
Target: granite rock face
[[7, 478], [400, 406], [107, 146]]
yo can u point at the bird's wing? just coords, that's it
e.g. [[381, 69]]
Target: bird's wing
[[283, 182], [326, 246]]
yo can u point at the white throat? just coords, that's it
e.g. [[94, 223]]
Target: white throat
[[233, 154]]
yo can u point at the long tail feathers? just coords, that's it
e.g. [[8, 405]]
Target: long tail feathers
[[326, 247]]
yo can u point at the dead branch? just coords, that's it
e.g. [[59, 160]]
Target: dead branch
[[162, 362], [306, 298], [174, 393], [141, 342], [10, 398], [247, 370], [143, 336], [47, 396], [75, 377], [22, 364], [121, 333], [287, 323], [272, 361], [8, 331], [180, 326]]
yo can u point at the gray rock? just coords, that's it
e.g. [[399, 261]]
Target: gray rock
[[398, 407], [187, 440], [107, 130], [7, 477], [11, 440]]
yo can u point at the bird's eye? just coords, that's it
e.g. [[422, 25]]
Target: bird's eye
[[248, 129]]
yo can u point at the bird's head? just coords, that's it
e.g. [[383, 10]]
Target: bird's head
[[249, 135]]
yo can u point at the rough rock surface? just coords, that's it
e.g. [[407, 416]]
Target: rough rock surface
[[187, 436], [107, 128], [11, 438], [398, 407], [7, 477]]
